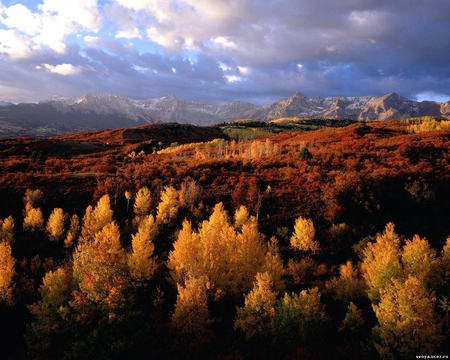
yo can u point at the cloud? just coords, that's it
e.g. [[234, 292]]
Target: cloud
[[228, 50], [14, 44], [64, 69], [21, 18]]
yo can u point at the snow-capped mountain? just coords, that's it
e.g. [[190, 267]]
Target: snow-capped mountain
[[59, 114], [165, 109]]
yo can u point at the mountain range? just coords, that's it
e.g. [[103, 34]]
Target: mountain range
[[59, 115]]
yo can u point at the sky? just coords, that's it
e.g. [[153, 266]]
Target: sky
[[217, 51]]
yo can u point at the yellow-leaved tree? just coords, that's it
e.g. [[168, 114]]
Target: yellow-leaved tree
[[408, 325], [141, 262], [191, 316], [100, 267], [168, 206], [7, 272], [227, 258], [304, 234], [33, 219], [7, 230], [255, 318], [96, 218], [55, 225], [381, 262], [142, 203]]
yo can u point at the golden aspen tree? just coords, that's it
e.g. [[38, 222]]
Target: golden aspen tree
[[33, 219], [217, 237], [140, 262], [72, 233], [184, 258], [303, 237], [407, 321], [168, 206], [247, 256], [241, 216], [255, 318], [418, 258], [55, 225], [228, 259], [142, 203], [191, 316], [7, 230], [96, 218], [381, 262], [7, 272], [100, 265]]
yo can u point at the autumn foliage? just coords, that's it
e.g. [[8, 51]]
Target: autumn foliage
[[321, 244]]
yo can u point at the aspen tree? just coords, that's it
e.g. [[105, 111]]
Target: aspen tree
[[142, 202], [353, 320], [140, 261], [303, 237], [33, 219], [45, 335], [184, 259], [7, 230], [381, 262], [247, 256], [418, 258], [98, 265], [241, 216], [255, 318], [96, 218], [7, 272], [273, 264], [168, 206], [72, 233], [55, 225], [191, 315], [407, 320]]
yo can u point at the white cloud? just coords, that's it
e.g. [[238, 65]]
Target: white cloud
[[233, 78], [129, 34], [245, 70], [223, 42], [85, 13], [64, 69], [21, 18], [14, 44]]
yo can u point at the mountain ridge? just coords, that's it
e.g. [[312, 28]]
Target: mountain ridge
[[64, 114]]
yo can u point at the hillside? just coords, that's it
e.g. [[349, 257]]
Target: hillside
[[182, 228]]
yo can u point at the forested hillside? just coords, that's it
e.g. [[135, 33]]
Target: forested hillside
[[242, 241]]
